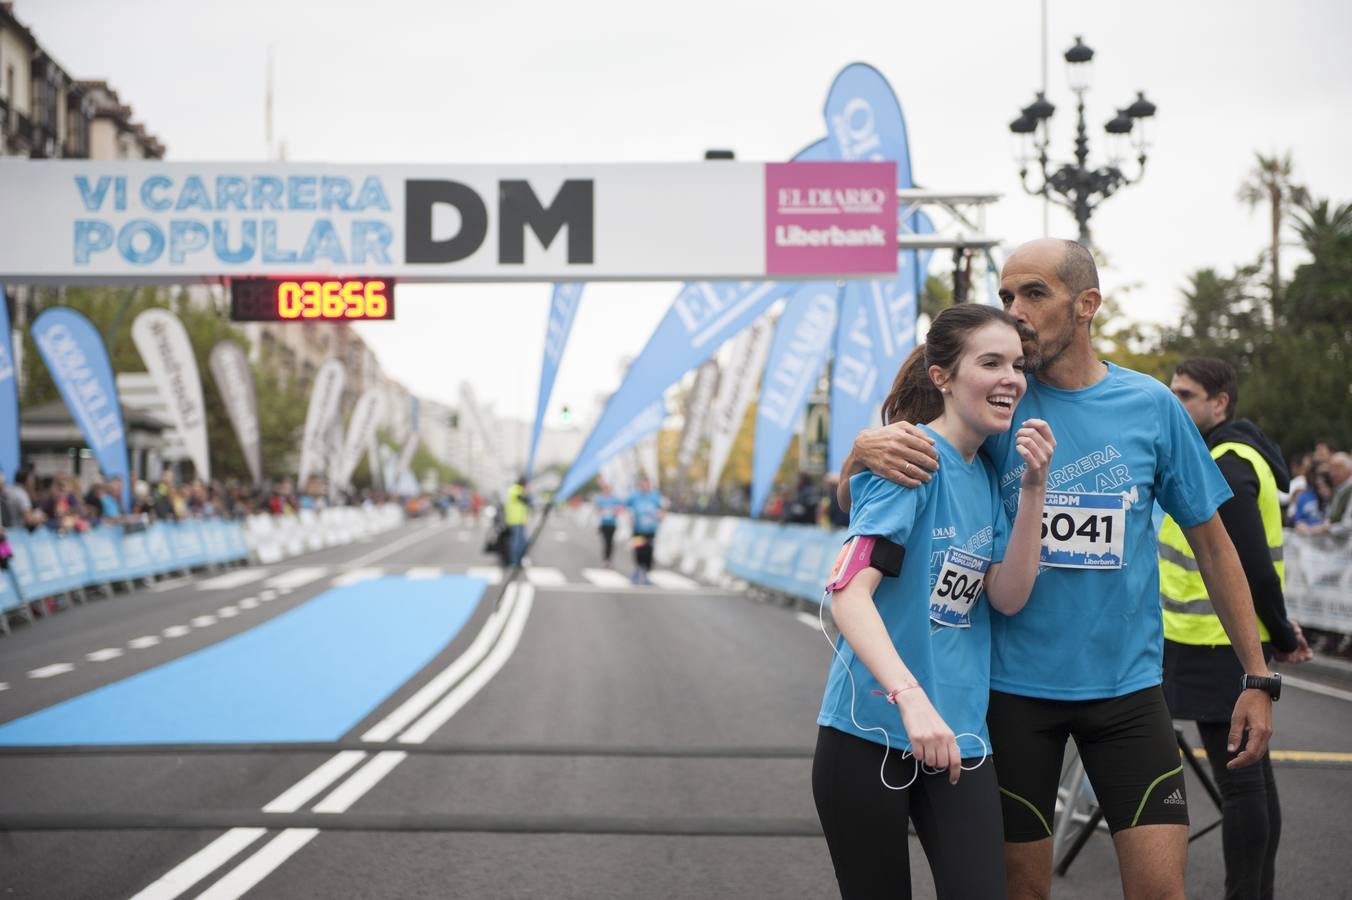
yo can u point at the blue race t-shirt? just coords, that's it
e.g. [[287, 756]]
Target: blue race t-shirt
[[606, 506], [644, 505], [958, 509], [1096, 632]]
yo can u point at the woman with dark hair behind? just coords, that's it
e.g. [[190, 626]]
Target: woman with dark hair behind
[[921, 639]]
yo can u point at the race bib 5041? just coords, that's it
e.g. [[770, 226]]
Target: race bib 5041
[[1083, 531]]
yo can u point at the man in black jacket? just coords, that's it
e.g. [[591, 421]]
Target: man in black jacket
[[1201, 675]]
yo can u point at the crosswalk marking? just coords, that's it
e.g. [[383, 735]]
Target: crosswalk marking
[[49, 671], [294, 578], [354, 576], [605, 578], [231, 580], [491, 574], [672, 581], [545, 577], [105, 654], [422, 573]]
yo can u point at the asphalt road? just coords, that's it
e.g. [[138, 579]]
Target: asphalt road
[[585, 740]]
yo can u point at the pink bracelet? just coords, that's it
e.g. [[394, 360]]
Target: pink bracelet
[[892, 695]]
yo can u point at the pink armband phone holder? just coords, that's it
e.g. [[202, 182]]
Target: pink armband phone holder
[[854, 557]]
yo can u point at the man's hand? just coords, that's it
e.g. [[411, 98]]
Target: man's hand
[[900, 452], [1253, 713], [1301, 654]]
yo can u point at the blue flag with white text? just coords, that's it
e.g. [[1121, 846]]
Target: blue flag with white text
[[9, 398], [856, 384], [703, 316], [802, 340], [74, 353], [562, 310]]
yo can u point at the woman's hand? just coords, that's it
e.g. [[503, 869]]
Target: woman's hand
[[1035, 443], [932, 741]]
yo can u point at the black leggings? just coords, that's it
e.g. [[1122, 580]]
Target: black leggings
[[865, 823], [607, 541], [1251, 817], [643, 553]]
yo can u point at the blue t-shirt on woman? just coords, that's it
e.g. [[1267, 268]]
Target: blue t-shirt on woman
[[959, 510]]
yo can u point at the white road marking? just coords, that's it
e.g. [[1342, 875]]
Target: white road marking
[[200, 864], [49, 671], [171, 584], [605, 578], [422, 573], [294, 578], [673, 581], [365, 778], [419, 535], [243, 877], [491, 574], [249, 603], [105, 654], [444, 680], [1316, 688], [545, 577], [203, 621], [141, 643], [267, 596], [4, 685], [231, 580], [174, 631], [462, 693], [809, 620], [354, 576], [309, 787], [227, 612]]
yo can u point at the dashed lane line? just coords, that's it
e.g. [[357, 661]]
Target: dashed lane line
[[104, 655], [227, 612], [249, 603], [233, 579], [203, 621], [143, 642], [49, 671], [176, 631]]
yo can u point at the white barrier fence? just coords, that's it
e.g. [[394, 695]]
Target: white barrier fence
[[1318, 581], [274, 538]]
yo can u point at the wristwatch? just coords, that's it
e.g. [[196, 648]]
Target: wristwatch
[[1272, 685]]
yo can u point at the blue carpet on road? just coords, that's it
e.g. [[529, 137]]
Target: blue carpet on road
[[310, 674]]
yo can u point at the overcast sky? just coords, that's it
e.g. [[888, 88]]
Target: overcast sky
[[501, 81]]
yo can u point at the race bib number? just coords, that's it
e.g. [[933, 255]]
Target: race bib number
[[957, 588], [1083, 531]]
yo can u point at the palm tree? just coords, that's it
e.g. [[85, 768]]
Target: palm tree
[[1320, 223], [1270, 182]]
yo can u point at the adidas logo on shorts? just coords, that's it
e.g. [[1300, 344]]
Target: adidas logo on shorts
[[1176, 798]]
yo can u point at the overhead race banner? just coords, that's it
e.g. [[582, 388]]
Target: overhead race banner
[[361, 431], [802, 339], [153, 220], [167, 351], [324, 399], [697, 413], [701, 318], [74, 353], [562, 310], [9, 397], [735, 391], [234, 381]]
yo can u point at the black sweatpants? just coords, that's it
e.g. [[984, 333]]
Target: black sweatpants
[[607, 541], [643, 553], [865, 822], [1251, 817]]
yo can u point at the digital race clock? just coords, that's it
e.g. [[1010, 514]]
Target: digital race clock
[[311, 299]]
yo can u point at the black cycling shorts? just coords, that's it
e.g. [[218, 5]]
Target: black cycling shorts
[[1127, 745]]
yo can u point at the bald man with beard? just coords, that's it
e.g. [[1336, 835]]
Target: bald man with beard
[[1083, 659]]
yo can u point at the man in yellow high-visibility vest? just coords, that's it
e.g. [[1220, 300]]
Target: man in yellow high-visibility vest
[[515, 514], [1202, 675]]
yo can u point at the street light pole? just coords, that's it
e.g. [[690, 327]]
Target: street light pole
[[1080, 187]]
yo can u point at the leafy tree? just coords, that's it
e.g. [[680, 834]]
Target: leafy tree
[[1271, 182]]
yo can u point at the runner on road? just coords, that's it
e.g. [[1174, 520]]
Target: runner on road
[[1083, 658]]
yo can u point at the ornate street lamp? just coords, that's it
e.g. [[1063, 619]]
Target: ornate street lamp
[[1078, 186]]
